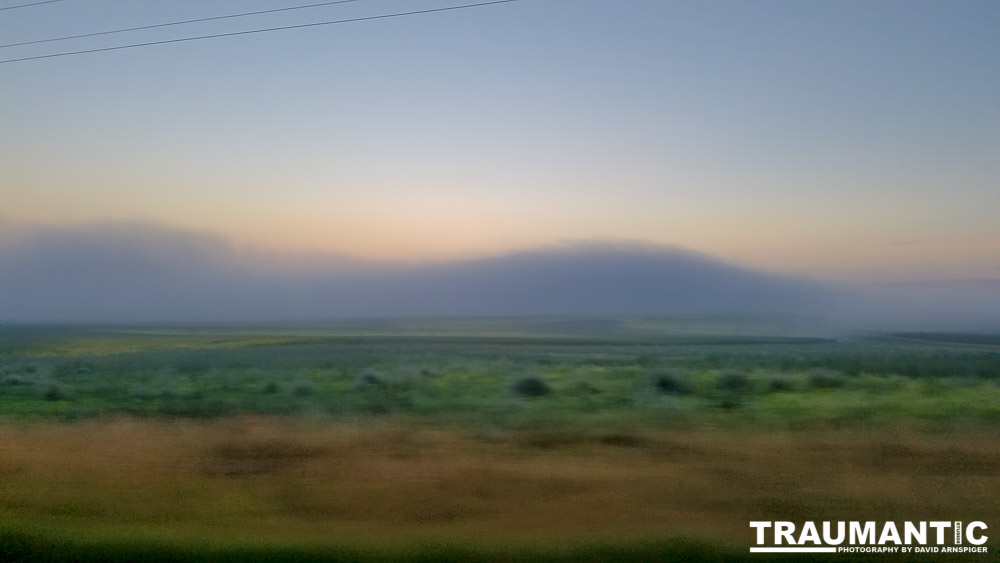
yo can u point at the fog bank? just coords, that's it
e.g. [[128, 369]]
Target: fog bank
[[142, 273]]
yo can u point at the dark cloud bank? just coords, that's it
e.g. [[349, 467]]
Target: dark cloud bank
[[134, 273]]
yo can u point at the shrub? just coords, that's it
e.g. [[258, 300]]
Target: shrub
[[733, 385], [385, 394], [15, 380], [732, 380], [303, 389], [531, 386], [270, 388], [780, 385], [672, 383], [730, 402], [54, 393], [822, 378]]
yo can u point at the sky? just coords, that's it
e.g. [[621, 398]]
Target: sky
[[849, 141]]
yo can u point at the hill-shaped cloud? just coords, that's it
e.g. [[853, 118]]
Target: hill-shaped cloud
[[125, 272], [140, 273]]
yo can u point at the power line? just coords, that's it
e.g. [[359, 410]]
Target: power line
[[264, 30], [26, 5], [241, 15]]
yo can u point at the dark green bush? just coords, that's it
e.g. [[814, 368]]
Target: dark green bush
[[669, 382], [531, 386], [380, 396], [15, 380], [732, 380], [303, 389], [54, 393], [730, 402], [823, 378], [780, 385]]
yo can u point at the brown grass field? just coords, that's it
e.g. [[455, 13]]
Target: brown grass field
[[392, 481]]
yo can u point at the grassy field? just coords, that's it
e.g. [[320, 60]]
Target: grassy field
[[495, 439]]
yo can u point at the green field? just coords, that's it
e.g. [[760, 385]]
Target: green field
[[486, 439]]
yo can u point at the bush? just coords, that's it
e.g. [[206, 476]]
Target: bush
[[780, 385], [271, 388], [15, 380], [54, 393], [732, 380], [670, 382], [531, 386], [303, 389], [822, 378], [732, 385], [730, 402], [385, 393]]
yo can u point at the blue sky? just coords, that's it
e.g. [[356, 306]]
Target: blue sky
[[848, 140]]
